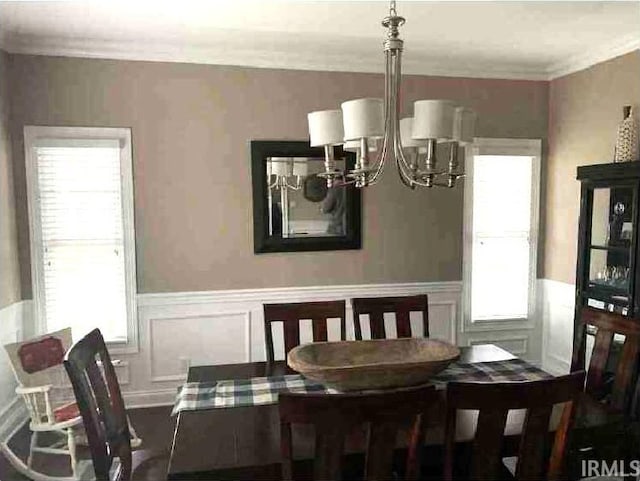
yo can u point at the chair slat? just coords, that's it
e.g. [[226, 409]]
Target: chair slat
[[561, 442], [532, 445], [598, 364], [286, 451], [403, 323], [376, 323], [329, 448], [291, 334], [487, 445], [624, 373], [380, 445], [319, 330]]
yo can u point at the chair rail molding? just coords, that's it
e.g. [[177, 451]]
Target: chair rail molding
[[291, 294]]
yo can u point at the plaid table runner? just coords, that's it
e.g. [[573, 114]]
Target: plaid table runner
[[194, 396]]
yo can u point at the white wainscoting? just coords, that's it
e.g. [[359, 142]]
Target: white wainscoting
[[557, 301], [183, 329], [180, 329], [13, 322]]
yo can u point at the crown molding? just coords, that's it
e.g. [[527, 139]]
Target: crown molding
[[229, 55], [313, 61], [589, 58]]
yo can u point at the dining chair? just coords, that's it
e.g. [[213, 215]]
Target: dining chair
[[493, 401], [335, 416], [602, 421], [402, 307], [290, 316], [101, 406]]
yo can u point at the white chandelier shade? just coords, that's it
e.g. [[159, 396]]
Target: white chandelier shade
[[325, 128], [433, 119], [281, 166], [363, 119], [362, 122], [300, 167]]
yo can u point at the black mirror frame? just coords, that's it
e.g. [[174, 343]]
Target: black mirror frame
[[262, 242]]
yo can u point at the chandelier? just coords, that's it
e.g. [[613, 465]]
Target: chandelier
[[363, 125]]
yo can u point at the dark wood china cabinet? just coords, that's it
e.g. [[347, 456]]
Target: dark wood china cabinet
[[607, 273]]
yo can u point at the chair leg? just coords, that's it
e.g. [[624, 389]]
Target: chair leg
[[32, 445], [71, 442]]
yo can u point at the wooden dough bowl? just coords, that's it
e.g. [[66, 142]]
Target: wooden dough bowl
[[375, 364]]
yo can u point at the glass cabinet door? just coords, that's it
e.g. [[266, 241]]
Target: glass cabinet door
[[609, 252]]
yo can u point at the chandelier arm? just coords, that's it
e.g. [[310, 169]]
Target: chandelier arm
[[399, 152], [382, 155], [406, 180], [344, 183]]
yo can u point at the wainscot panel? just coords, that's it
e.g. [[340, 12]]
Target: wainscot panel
[[557, 310]]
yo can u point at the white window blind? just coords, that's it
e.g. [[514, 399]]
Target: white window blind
[[501, 236], [79, 200]]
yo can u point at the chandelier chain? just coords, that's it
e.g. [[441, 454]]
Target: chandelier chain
[[392, 8]]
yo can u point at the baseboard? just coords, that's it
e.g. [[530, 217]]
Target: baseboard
[[12, 417]]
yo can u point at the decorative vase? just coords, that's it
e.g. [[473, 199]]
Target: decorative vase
[[627, 140]]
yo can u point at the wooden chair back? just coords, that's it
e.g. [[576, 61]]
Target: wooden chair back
[[376, 307], [290, 316], [494, 401], [100, 403], [608, 324], [334, 416]]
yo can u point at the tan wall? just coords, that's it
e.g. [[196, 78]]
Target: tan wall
[[191, 125], [585, 109], [9, 266]]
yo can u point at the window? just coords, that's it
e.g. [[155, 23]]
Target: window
[[82, 241], [501, 229]]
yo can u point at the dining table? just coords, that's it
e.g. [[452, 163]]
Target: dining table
[[243, 442]]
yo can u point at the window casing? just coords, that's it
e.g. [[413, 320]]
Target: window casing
[[80, 194], [501, 233]]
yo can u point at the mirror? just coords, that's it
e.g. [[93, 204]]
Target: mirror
[[293, 209]]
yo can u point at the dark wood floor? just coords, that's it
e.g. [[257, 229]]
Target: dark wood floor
[[154, 426]]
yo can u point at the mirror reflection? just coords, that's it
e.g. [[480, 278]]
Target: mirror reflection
[[299, 202]]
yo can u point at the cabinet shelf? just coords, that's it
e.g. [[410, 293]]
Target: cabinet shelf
[[610, 248]]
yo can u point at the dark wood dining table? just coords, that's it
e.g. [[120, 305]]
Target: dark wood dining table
[[244, 442]]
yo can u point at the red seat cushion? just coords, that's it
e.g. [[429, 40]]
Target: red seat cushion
[[66, 412]]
